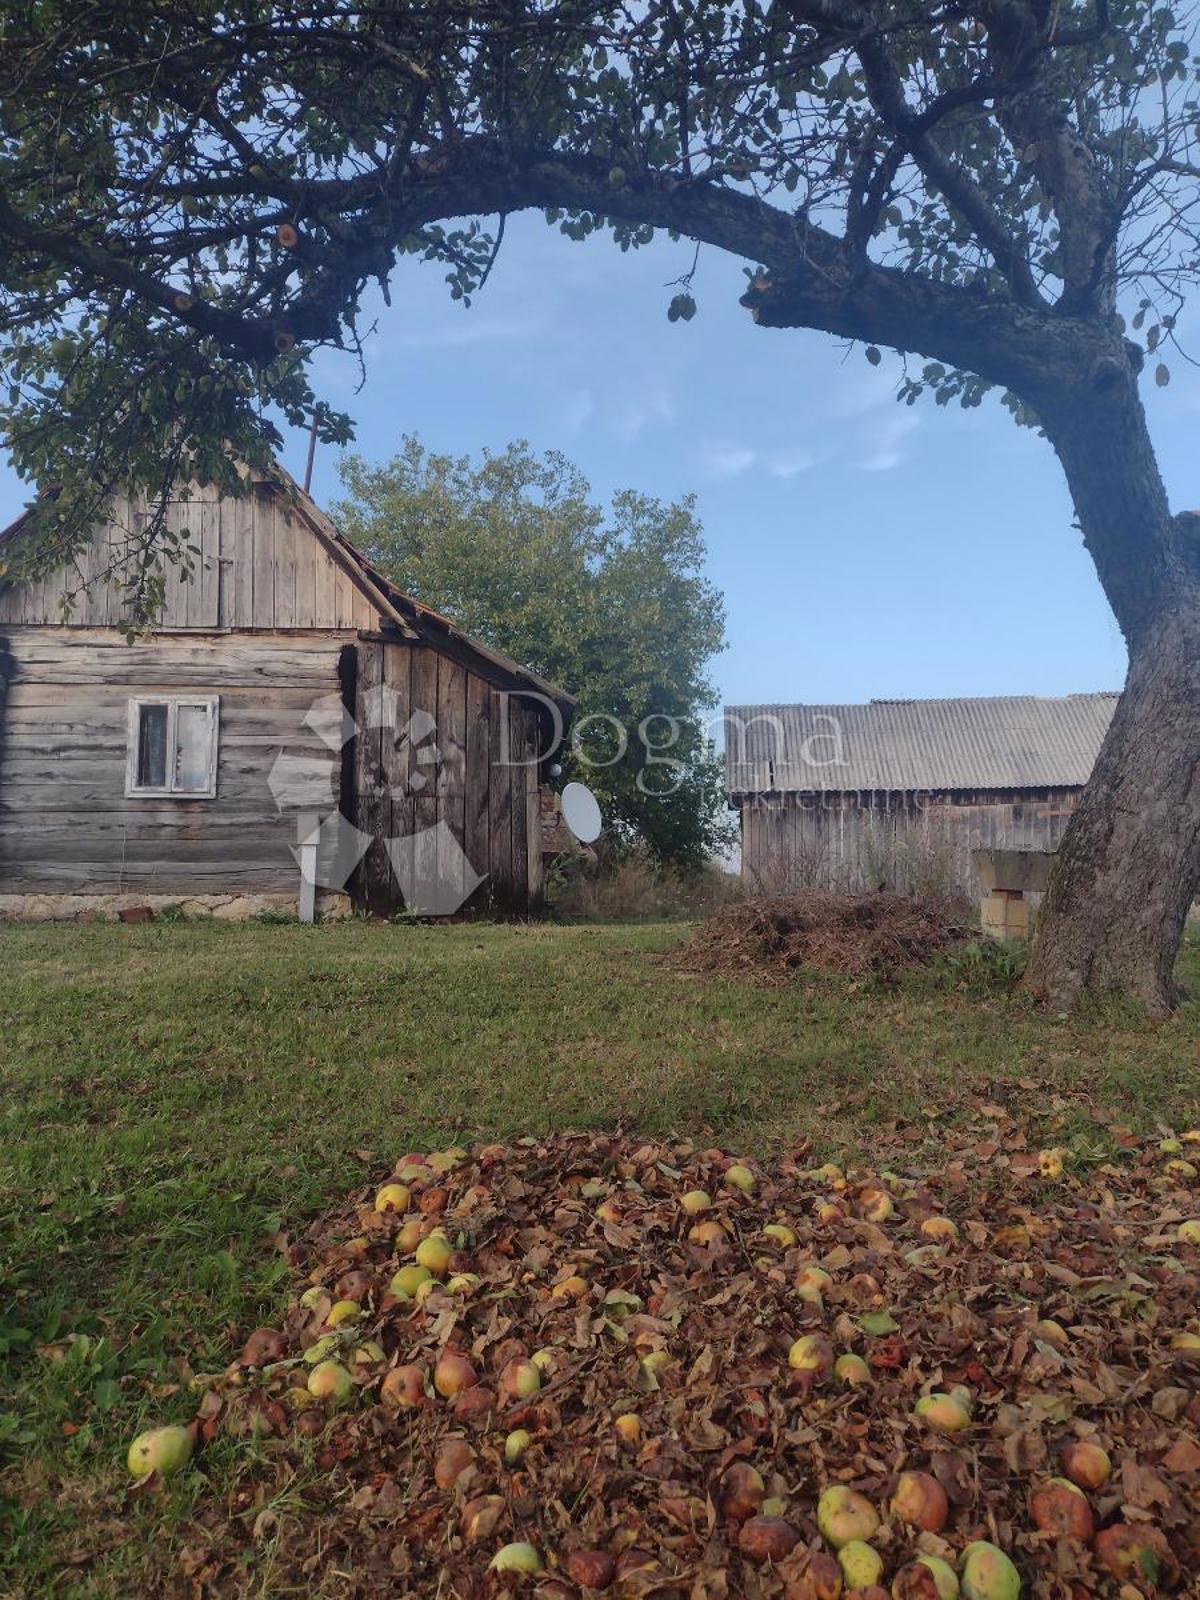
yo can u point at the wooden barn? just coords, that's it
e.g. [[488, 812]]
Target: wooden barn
[[293, 729], [898, 793]]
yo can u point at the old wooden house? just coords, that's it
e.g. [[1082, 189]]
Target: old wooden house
[[292, 729], [898, 793]]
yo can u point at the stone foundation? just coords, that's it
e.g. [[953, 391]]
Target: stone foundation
[[107, 907]]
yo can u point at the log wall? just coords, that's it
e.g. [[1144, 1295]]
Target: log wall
[[903, 842], [65, 821]]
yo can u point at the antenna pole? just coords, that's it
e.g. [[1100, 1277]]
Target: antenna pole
[[312, 450]]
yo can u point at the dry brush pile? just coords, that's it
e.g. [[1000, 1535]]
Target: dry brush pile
[[590, 1364]]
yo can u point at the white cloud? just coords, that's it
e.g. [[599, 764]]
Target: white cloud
[[885, 445], [728, 460], [788, 466], [651, 406]]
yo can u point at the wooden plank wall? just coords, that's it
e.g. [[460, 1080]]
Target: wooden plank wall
[[491, 809], [254, 563], [65, 822], [852, 844]]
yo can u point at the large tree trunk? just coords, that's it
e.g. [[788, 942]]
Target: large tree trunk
[[1128, 868]]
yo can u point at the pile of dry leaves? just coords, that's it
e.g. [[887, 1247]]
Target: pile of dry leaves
[[860, 935], [623, 1367]]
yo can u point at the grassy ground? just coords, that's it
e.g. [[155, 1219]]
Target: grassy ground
[[174, 1095]]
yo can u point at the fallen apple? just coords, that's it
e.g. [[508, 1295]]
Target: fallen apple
[[939, 1228], [1087, 1463], [329, 1380], [162, 1450], [988, 1574], [453, 1459], [452, 1374], [829, 1211], [843, 1515], [742, 1490], [1060, 1507], [812, 1352], [343, 1311], [1126, 1551], [262, 1347], [520, 1379], [367, 1354], [739, 1177], [392, 1197], [1186, 1343], [812, 1277], [433, 1253], [920, 1500], [781, 1233], [927, 1577], [629, 1427], [1189, 1232], [695, 1201], [463, 1282], [876, 1205], [708, 1234], [767, 1539], [861, 1564], [574, 1288], [944, 1413], [851, 1370], [408, 1280], [516, 1557], [1050, 1163], [403, 1387], [516, 1444], [409, 1237]]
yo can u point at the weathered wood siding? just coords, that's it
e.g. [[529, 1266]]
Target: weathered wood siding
[[65, 822], [254, 563], [905, 842], [440, 744]]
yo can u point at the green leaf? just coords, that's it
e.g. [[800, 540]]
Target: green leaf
[[878, 1322], [106, 1394]]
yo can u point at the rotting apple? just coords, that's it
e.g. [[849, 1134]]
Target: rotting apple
[[710, 1235], [1126, 1551], [843, 1514], [940, 1228], [767, 1539], [781, 1233], [474, 1405], [629, 1427], [1060, 1507], [453, 1459], [876, 1205], [851, 1370], [812, 1352], [409, 1236], [926, 1577], [262, 1347], [920, 1500], [403, 1387], [742, 1491]]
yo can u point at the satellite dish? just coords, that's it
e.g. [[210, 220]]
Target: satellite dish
[[581, 812]]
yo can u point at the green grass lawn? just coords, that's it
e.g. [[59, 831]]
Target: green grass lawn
[[175, 1095]]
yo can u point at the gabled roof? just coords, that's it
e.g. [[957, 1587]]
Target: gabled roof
[[409, 616], [1006, 742]]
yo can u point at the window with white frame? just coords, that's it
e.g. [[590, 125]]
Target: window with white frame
[[173, 747]]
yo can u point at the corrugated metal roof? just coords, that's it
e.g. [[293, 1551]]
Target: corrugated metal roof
[[1007, 742]]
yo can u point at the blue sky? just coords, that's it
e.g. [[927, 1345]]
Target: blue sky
[[864, 548]]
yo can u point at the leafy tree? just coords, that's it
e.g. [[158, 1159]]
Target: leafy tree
[[611, 607], [193, 196]]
